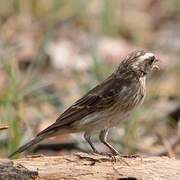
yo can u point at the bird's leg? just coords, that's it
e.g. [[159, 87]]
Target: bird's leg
[[87, 137], [103, 139]]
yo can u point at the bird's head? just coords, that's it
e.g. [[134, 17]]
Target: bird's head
[[140, 62]]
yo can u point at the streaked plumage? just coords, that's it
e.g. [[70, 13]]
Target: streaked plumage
[[106, 105]]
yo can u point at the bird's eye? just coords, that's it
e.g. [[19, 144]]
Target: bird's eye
[[151, 59]]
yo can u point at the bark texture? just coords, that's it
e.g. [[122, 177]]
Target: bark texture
[[88, 167]]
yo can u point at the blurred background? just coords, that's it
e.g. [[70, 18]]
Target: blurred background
[[54, 51]]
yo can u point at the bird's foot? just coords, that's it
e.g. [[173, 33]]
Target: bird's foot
[[120, 158], [113, 155]]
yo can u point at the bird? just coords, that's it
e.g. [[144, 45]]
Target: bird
[[106, 105]]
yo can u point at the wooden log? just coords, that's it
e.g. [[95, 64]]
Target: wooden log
[[88, 167]]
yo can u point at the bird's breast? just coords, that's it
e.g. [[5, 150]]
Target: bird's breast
[[131, 96]]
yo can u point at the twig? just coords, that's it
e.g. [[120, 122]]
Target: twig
[[167, 145], [167, 149], [2, 127]]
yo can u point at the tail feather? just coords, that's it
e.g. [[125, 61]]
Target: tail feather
[[28, 145]]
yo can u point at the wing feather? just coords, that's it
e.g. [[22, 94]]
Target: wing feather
[[100, 97]]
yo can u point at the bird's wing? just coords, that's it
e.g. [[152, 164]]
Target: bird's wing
[[100, 97]]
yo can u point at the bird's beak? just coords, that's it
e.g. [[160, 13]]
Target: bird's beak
[[155, 65]]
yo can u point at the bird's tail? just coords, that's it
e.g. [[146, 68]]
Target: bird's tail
[[28, 145]]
